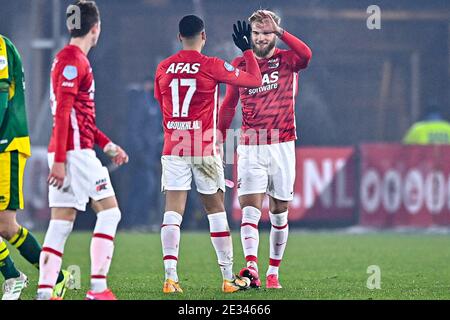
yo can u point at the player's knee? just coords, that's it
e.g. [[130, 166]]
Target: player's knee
[[279, 219], [113, 215], [176, 207], [278, 207], [105, 204], [7, 231], [66, 214], [213, 203], [250, 215], [250, 201], [214, 208]]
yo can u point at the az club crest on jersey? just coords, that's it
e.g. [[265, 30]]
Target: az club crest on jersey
[[70, 72], [273, 63]]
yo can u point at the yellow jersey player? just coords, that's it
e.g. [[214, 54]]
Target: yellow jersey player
[[14, 151]]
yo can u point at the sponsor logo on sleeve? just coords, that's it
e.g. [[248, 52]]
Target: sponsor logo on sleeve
[[228, 67], [70, 72], [68, 84]]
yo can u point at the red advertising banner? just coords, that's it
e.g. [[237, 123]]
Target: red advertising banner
[[404, 185], [324, 190]]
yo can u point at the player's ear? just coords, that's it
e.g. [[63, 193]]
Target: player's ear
[[179, 37], [96, 28], [203, 34]]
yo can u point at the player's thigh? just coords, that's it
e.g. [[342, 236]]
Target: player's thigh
[[208, 174], [176, 201], [12, 168], [73, 195], [104, 204], [252, 171], [67, 214], [97, 181], [176, 174], [252, 200], [213, 203], [282, 171], [8, 224], [7, 217], [278, 206]]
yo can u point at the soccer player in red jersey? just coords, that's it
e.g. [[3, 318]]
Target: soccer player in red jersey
[[76, 174], [186, 86], [266, 154]]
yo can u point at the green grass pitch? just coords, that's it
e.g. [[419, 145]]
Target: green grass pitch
[[316, 266]]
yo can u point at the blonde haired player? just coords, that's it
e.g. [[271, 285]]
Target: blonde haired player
[[266, 154]]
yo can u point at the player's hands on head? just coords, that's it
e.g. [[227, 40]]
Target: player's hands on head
[[57, 175], [241, 35], [268, 24]]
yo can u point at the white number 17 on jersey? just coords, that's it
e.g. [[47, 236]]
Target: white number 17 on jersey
[[174, 84]]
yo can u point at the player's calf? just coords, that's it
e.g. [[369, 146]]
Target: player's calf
[[102, 247]]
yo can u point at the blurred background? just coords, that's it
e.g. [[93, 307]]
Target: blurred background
[[362, 87]]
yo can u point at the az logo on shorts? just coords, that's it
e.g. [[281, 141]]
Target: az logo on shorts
[[101, 187]]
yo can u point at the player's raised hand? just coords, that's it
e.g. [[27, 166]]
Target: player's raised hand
[[241, 35], [268, 24], [116, 153], [57, 175]]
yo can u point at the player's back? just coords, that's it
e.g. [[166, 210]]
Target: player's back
[[71, 74], [187, 89]]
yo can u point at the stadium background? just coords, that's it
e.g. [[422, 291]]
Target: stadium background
[[362, 86]]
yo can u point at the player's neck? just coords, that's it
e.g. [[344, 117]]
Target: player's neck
[[82, 43], [197, 48]]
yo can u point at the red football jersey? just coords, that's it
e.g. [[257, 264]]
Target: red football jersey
[[268, 112], [72, 101], [186, 86]]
